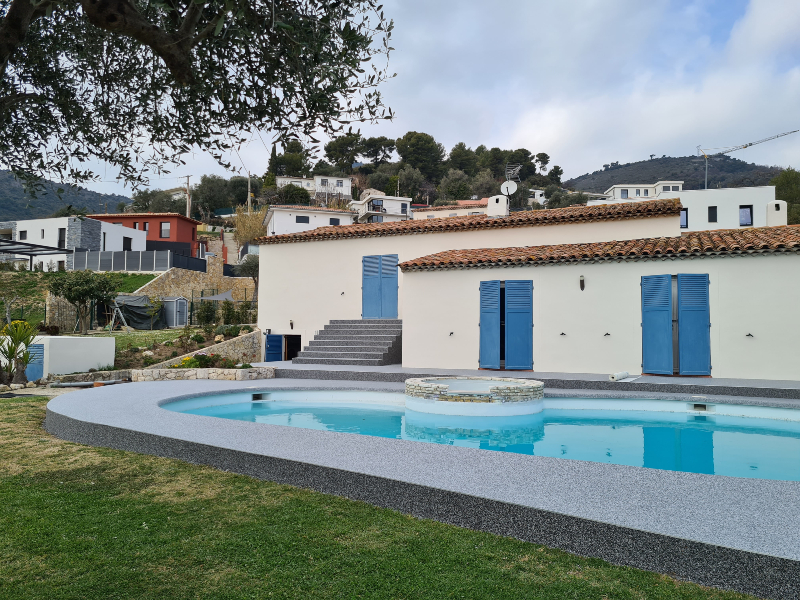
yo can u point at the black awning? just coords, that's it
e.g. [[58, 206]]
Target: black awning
[[26, 249]]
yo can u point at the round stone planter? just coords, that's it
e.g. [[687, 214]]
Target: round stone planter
[[474, 396]]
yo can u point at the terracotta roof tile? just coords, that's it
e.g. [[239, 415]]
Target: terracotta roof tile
[[557, 216], [148, 215], [700, 243], [316, 208], [452, 207]]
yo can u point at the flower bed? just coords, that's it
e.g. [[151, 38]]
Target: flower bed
[[202, 360]]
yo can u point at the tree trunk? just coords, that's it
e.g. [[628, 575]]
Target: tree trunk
[[255, 290], [19, 372]]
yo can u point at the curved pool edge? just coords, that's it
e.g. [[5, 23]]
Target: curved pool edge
[[586, 507]]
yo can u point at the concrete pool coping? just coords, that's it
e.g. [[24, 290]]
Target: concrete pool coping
[[735, 533]]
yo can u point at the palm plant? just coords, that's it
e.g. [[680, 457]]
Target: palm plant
[[19, 335]]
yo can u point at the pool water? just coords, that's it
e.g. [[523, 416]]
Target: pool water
[[738, 446]]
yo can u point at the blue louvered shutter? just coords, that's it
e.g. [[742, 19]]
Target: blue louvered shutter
[[519, 325], [490, 325], [35, 368], [389, 286], [657, 324], [274, 348], [371, 287], [694, 325]]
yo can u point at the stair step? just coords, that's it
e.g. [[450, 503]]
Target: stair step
[[367, 362], [365, 321], [362, 330], [338, 337], [314, 354], [329, 343]]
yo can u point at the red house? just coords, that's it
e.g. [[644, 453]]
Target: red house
[[165, 231]]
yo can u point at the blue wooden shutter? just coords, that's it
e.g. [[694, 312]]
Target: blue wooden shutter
[[35, 368], [389, 286], [274, 348], [490, 325], [519, 325], [657, 324], [371, 288], [694, 325]]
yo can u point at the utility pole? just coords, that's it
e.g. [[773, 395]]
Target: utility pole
[[188, 199], [249, 203]]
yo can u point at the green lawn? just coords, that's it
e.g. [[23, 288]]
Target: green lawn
[[82, 522], [124, 340], [133, 281]]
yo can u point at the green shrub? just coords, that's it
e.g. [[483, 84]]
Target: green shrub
[[247, 328], [221, 330], [230, 316], [198, 338], [206, 313], [234, 330], [174, 354], [245, 312], [246, 366], [149, 360], [208, 330]]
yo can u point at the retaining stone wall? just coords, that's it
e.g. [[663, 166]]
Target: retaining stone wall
[[95, 376], [181, 282], [218, 374], [524, 390], [245, 348]]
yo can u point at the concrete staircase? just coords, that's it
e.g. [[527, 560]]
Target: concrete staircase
[[368, 342]]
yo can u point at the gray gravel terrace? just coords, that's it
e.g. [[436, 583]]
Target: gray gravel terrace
[[735, 533]]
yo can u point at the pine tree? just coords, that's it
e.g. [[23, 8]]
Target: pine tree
[[273, 162]]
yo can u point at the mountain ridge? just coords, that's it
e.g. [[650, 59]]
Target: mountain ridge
[[723, 171]]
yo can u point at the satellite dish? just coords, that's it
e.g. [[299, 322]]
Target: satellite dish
[[508, 187]]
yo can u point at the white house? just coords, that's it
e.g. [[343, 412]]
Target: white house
[[373, 208], [718, 208], [72, 233], [462, 208], [320, 187], [287, 218]]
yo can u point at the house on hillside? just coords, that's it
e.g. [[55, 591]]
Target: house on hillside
[[718, 208], [164, 231], [461, 208], [292, 218], [71, 233], [379, 208], [588, 289], [322, 188]]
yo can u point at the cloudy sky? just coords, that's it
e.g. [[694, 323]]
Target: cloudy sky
[[587, 81]]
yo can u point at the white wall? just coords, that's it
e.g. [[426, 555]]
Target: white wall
[[393, 208], [66, 354], [311, 283], [335, 185], [43, 232], [306, 184], [113, 235], [727, 201], [285, 221], [756, 294], [451, 211]]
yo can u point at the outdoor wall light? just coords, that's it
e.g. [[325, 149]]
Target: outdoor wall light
[[605, 334], [451, 333], [583, 283], [749, 335], [562, 333], [342, 293], [291, 324]]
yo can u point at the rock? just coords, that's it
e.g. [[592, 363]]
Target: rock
[[17, 386], [31, 384], [42, 381], [4, 388], [219, 338], [147, 353]]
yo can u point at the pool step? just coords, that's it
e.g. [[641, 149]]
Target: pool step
[[367, 342]]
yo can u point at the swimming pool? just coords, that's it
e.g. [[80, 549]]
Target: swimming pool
[[693, 437]]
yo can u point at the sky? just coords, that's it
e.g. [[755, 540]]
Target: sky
[[587, 81]]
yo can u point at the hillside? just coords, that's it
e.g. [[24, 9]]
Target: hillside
[[15, 204], [723, 171]]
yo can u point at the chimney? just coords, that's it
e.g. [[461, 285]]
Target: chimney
[[497, 206]]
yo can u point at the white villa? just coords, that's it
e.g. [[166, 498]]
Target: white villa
[[719, 208], [590, 289], [378, 208], [321, 187], [72, 233], [288, 218]]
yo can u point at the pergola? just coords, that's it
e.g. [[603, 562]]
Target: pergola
[[30, 250]]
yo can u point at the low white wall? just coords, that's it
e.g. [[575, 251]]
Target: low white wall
[[113, 237], [310, 283], [67, 354], [727, 201], [756, 294]]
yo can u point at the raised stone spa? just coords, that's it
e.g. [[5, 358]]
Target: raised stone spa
[[475, 389]]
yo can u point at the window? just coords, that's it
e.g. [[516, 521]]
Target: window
[[104, 241], [377, 203], [62, 265], [623, 194], [746, 216], [375, 219], [453, 214], [676, 188], [638, 192], [194, 234], [430, 216], [117, 223], [712, 214], [62, 237], [334, 221], [323, 182], [23, 235], [126, 243], [301, 219], [164, 229], [339, 183], [476, 213], [404, 208], [684, 218], [646, 193], [136, 224], [666, 188], [777, 207], [297, 183], [146, 225], [42, 233]]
